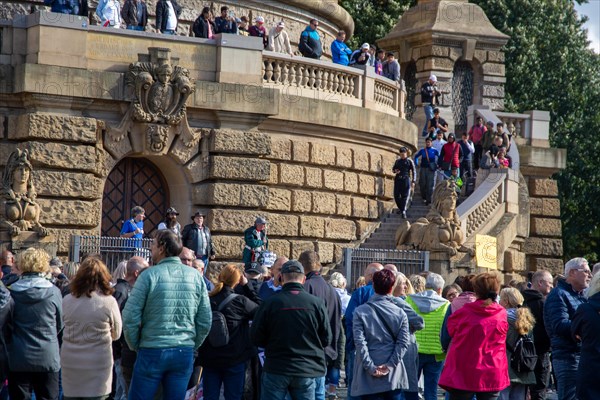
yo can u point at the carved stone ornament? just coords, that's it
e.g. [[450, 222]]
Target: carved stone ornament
[[157, 111], [19, 211], [440, 230]]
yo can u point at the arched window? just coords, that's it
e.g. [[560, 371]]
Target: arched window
[[410, 80], [462, 94]]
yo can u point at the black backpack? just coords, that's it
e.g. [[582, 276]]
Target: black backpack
[[524, 356], [218, 336]]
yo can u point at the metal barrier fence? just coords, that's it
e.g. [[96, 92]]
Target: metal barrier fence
[[408, 261], [112, 250]]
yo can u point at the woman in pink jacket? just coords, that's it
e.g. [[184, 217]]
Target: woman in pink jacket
[[476, 363]]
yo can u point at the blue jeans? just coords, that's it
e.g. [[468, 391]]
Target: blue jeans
[[333, 376], [565, 370], [231, 378], [276, 387], [172, 366], [135, 28], [172, 32], [428, 108], [320, 388], [431, 370], [350, 355], [391, 395]]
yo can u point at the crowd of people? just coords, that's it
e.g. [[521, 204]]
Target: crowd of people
[[271, 330]]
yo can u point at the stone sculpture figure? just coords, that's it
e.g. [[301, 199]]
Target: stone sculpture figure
[[19, 210], [440, 230]]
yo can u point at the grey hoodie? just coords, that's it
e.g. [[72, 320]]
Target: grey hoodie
[[37, 325], [428, 301]]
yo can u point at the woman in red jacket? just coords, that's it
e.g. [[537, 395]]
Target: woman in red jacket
[[476, 363]]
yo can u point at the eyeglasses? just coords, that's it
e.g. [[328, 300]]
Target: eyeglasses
[[585, 271], [187, 259]]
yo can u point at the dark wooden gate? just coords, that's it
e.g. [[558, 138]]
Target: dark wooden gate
[[133, 182]]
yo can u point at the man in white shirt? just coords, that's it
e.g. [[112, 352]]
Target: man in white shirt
[[439, 142], [278, 40], [167, 12]]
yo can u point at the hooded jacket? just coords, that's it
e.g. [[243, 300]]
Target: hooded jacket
[[476, 361], [310, 43], [37, 325], [432, 307]]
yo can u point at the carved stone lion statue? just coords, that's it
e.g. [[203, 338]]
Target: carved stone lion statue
[[19, 211], [440, 230]]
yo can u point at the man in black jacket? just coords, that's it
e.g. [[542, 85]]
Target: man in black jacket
[[165, 10], [197, 237], [204, 27], [293, 327], [541, 285], [317, 286]]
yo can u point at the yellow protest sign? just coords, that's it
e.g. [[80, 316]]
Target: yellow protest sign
[[486, 250]]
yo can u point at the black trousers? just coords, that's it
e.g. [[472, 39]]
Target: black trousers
[[456, 394], [477, 156], [401, 191], [44, 384], [542, 378]]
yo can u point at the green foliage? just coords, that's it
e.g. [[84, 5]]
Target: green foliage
[[373, 19]]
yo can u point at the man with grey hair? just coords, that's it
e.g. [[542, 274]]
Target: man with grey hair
[[273, 285], [560, 307], [432, 307], [596, 268]]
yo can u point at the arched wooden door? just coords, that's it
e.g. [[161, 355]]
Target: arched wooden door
[[133, 182]]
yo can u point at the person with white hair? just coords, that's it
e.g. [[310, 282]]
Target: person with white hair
[[559, 310], [432, 307], [338, 281]]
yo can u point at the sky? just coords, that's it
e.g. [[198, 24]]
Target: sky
[[592, 11]]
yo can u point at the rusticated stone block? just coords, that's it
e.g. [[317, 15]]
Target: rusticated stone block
[[52, 127], [282, 225], [493, 91], [314, 177], [540, 187], [350, 182], [373, 209], [279, 199], [553, 265], [366, 184], [312, 226], [480, 55], [301, 201], [379, 186], [324, 203], [68, 184], [344, 157], [543, 246], [495, 56], [333, 180], [229, 246], [325, 251], [546, 227], [389, 188], [254, 196], [493, 69], [239, 142], [63, 156], [281, 149], [545, 207], [217, 194], [291, 174], [364, 228], [361, 160], [182, 153], [70, 212], [340, 229], [514, 261], [299, 246], [221, 220], [196, 170], [273, 174], [322, 154], [250, 169], [5, 150], [63, 237], [300, 151], [360, 207], [388, 164], [375, 162], [343, 205], [280, 247]]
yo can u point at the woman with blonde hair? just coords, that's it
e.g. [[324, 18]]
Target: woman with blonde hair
[[119, 272], [520, 323], [418, 283], [226, 365], [92, 321], [403, 286], [70, 270], [33, 354]]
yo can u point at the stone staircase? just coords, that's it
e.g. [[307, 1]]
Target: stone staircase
[[384, 236]]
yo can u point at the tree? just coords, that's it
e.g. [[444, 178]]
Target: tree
[[548, 67]]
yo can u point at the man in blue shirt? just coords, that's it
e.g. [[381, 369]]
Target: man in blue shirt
[[340, 52], [428, 165], [134, 228], [359, 297]]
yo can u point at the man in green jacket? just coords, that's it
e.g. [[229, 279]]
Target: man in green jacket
[[256, 240], [167, 317]]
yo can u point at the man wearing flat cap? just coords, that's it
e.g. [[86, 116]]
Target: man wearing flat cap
[[293, 328], [256, 240], [197, 237]]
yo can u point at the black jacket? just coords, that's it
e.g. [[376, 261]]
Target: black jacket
[[200, 27], [317, 286], [121, 294], [162, 13], [129, 13], [535, 302], [586, 325], [189, 238], [293, 327], [238, 313], [6, 309]]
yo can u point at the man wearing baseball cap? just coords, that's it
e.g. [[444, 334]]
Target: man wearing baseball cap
[[198, 238], [361, 56], [278, 40], [293, 327], [256, 240], [259, 30], [429, 98]]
